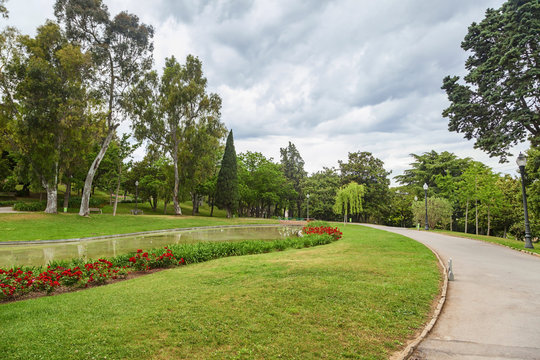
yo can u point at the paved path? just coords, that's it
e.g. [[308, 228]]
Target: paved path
[[7, 210], [492, 308]]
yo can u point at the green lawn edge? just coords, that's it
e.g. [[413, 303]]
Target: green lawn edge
[[512, 244], [361, 297]]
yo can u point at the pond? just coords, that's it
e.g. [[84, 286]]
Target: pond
[[37, 254]]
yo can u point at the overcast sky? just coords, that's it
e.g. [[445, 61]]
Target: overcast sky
[[330, 76]]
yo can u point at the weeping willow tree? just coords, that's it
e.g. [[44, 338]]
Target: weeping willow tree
[[349, 200]]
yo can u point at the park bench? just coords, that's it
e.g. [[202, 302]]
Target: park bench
[[136, 212], [95, 210]]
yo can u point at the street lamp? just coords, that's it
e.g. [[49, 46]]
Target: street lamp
[[307, 196], [136, 193], [522, 161], [425, 196]]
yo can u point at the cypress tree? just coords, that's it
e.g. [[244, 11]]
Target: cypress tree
[[227, 182]]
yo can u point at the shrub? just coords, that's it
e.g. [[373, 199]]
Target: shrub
[[30, 206], [7, 202]]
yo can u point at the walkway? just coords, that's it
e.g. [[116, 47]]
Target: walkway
[[492, 308]]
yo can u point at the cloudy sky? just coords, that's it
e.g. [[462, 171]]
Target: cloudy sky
[[330, 76]]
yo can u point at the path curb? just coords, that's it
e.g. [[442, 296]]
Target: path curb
[[405, 354]]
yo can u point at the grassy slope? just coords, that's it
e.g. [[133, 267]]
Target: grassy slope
[[358, 298], [514, 244], [40, 226]]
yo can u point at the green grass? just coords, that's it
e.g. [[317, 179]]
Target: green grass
[[514, 244], [40, 226], [358, 298]]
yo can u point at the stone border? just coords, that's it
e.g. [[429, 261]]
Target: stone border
[[409, 350], [37, 242]]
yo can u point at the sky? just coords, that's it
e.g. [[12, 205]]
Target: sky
[[332, 77]]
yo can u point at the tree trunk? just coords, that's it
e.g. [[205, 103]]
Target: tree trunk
[[118, 189], [85, 201], [195, 202], [67, 194], [476, 216], [489, 221], [165, 207], [466, 215], [229, 212], [52, 192], [212, 208]]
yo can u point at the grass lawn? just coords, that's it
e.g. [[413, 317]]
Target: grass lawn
[[41, 226], [514, 244], [358, 298]]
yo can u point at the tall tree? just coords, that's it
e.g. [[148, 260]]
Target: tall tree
[[365, 169], [227, 181], [52, 103], [293, 168], [121, 48], [349, 200], [322, 188], [176, 111], [499, 104]]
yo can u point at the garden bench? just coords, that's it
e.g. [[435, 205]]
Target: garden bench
[[136, 212], [95, 210]]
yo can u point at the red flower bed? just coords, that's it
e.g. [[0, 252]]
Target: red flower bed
[[14, 282], [323, 230]]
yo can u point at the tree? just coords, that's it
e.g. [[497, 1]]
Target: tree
[[349, 200], [121, 50], [3, 10], [176, 111], [51, 104], [363, 168], [227, 181], [293, 168], [499, 105], [322, 188], [439, 212]]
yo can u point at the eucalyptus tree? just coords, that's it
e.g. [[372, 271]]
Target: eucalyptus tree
[[349, 200], [293, 168], [121, 49], [174, 111], [52, 104], [499, 102]]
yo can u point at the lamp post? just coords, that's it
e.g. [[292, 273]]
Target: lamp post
[[307, 196], [425, 197], [522, 161], [136, 193]]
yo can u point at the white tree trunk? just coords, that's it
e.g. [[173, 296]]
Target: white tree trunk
[[466, 215], [52, 192], [117, 189], [85, 201]]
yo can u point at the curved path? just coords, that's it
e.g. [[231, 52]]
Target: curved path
[[492, 308]]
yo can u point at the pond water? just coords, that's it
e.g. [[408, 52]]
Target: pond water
[[41, 254]]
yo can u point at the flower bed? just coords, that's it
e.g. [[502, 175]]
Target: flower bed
[[80, 274]]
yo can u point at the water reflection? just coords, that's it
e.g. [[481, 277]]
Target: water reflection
[[41, 254]]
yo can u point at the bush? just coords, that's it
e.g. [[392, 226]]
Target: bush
[[30, 206], [7, 202], [75, 202]]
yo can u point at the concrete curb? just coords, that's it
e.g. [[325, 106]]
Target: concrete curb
[[408, 351], [15, 243]]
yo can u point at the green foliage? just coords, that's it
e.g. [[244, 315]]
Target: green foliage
[[349, 199], [322, 188], [498, 106], [439, 212], [30, 206], [292, 166], [365, 169], [227, 181]]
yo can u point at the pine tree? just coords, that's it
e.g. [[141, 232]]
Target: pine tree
[[227, 182]]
